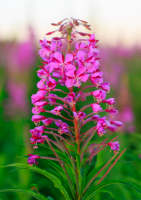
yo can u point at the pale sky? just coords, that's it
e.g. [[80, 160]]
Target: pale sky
[[113, 21]]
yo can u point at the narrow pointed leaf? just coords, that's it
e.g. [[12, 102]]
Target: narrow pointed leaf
[[28, 192], [96, 189], [56, 181]]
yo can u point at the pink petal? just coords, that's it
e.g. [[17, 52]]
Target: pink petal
[[81, 70], [90, 59], [92, 38], [53, 66], [68, 58], [69, 83], [58, 57], [84, 78], [70, 73], [70, 67], [81, 55]]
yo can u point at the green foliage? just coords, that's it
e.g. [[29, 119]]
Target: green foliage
[[56, 181], [93, 190], [15, 136], [28, 192]]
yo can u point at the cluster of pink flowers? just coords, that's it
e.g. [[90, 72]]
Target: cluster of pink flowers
[[70, 69], [18, 59], [116, 71]]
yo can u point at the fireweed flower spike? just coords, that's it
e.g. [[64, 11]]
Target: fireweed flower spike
[[78, 64]]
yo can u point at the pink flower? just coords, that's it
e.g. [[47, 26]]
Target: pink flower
[[79, 115], [63, 127], [63, 60], [96, 78], [70, 98], [65, 67], [102, 121], [112, 111], [37, 130], [37, 110], [109, 101], [112, 128], [105, 86], [114, 146], [57, 110], [101, 131], [36, 135], [47, 121], [96, 107], [37, 118], [52, 99], [39, 96], [117, 123], [39, 107], [43, 73], [95, 117], [92, 38], [50, 85], [80, 45], [32, 159], [87, 63], [99, 95], [75, 77]]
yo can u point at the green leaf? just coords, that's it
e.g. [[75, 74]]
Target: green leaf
[[62, 155], [106, 191], [61, 172], [57, 168], [90, 193], [57, 182], [92, 173], [28, 192]]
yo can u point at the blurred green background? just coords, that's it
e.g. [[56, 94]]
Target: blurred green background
[[120, 53]]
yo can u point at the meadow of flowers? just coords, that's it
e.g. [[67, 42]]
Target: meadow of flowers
[[74, 112]]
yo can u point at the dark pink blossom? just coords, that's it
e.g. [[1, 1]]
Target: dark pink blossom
[[63, 71], [39, 107], [75, 77], [105, 86], [114, 146], [57, 110], [110, 101], [37, 118], [36, 135], [112, 128], [52, 100], [117, 123], [92, 38], [47, 121], [100, 131], [37, 110], [32, 159], [50, 85], [79, 115], [39, 96], [112, 111], [80, 45], [99, 95], [63, 127], [96, 107], [70, 98], [96, 78], [95, 117]]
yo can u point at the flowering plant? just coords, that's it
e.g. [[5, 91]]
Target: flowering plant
[[71, 152]]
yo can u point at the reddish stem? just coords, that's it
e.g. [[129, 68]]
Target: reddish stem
[[76, 127]]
